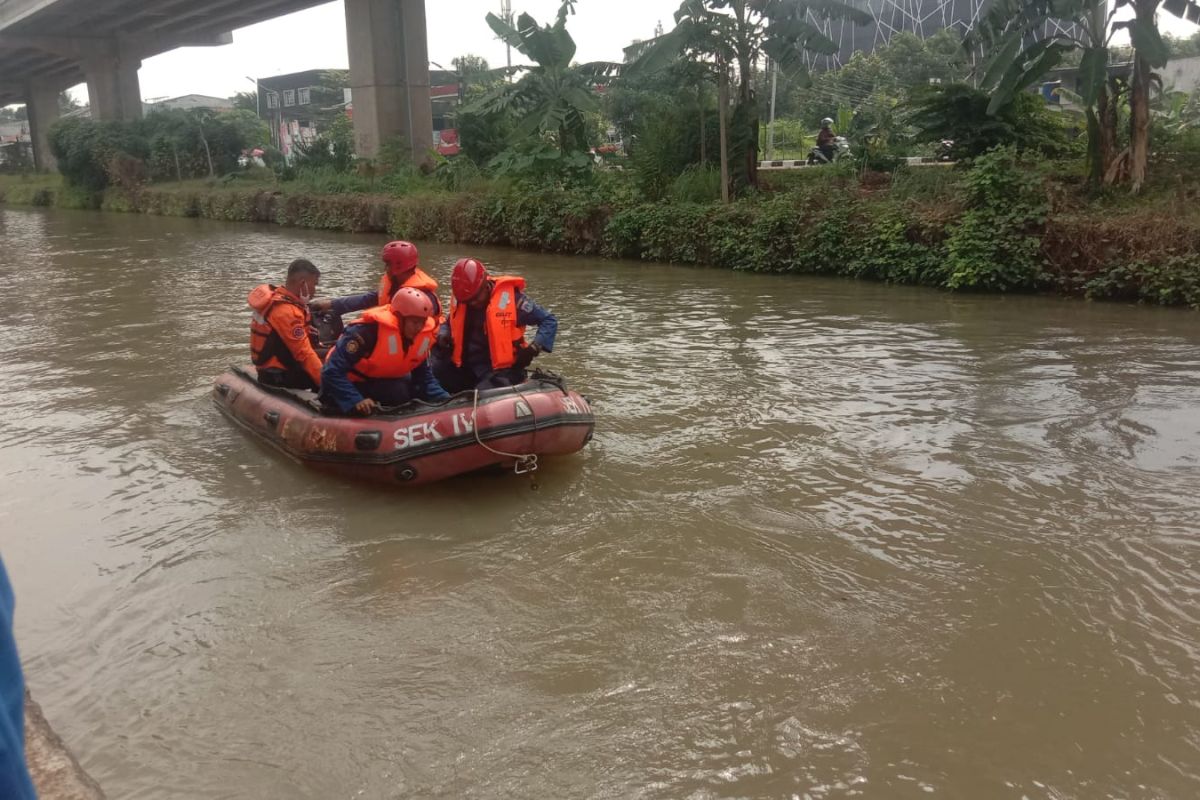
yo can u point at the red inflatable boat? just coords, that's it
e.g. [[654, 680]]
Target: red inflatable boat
[[419, 442]]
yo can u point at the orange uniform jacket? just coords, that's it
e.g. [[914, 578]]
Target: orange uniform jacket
[[504, 335], [418, 279], [390, 359], [279, 335]]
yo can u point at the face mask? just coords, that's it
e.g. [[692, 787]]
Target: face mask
[[305, 296]]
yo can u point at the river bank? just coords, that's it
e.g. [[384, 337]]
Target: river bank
[[997, 227], [56, 772]]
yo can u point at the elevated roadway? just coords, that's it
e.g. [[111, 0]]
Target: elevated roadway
[[49, 45]]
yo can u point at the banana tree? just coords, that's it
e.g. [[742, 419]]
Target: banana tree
[[1178, 111], [1025, 39], [551, 99], [735, 34], [700, 40], [1149, 52]]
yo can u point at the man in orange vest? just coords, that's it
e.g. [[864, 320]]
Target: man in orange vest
[[382, 358], [482, 343], [400, 260], [281, 338]]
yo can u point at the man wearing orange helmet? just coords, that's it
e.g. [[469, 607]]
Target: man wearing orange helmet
[[382, 359], [281, 339], [400, 260], [482, 343]]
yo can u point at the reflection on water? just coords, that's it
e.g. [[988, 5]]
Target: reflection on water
[[832, 539]]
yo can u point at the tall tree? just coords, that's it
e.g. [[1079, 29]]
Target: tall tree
[[67, 102], [736, 34], [553, 95], [472, 69], [1022, 49], [247, 101], [1025, 39], [1149, 52]]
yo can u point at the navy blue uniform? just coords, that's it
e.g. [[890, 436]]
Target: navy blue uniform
[[14, 776], [476, 370], [342, 395], [361, 302]]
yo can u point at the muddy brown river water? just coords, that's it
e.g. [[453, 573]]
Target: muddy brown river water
[[832, 539]]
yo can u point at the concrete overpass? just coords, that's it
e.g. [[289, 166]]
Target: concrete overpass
[[49, 45]]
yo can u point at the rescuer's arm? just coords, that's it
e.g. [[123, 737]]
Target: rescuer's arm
[[292, 326], [354, 302], [426, 384], [530, 313], [336, 386]]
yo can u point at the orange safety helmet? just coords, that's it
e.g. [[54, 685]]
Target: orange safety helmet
[[400, 256], [410, 302], [469, 274]]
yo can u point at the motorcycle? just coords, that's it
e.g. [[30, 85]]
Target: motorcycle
[[841, 149]]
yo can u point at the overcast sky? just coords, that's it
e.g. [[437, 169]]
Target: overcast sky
[[316, 39]]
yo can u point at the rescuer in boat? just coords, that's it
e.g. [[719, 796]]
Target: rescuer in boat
[[400, 260], [481, 345], [382, 359], [281, 334]]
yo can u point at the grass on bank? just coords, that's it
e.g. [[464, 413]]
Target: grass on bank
[[1003, 225]]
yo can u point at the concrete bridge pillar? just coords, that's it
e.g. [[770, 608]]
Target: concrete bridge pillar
[[113, 89], [41, 107], [389, 75]]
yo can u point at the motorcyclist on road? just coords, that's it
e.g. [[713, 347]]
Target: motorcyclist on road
[[827, 139]]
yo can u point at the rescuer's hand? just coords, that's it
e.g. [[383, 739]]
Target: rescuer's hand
[[366, 407], [320, 304], [525, 357]]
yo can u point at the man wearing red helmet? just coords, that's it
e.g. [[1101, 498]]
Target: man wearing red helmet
[[400, 260], [482, 344], [382, 359]]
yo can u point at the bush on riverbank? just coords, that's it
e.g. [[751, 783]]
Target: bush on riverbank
[[1000, 226]]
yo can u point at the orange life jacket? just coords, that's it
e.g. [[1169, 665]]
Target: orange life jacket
[[390, 359], [504, 335], [417, 279], [267, 348]]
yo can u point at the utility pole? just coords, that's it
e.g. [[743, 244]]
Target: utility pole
[[506, 15], [771, 123]]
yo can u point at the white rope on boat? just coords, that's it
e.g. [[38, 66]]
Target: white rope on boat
[[526, 460]]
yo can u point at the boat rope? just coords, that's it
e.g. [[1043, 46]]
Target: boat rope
[[527, 462]]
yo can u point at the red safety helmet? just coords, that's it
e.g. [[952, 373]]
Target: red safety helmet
[[469, 274], [400, 256], [410, 302]]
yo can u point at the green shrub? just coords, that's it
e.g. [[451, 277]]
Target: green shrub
[[332, 150], [84, 148], [697, 184], [892, 249], [996, 244], [959, 112], [1173, 281]]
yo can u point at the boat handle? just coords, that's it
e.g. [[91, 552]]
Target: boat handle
[[272, 418]]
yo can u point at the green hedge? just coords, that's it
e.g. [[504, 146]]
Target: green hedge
[[991, 228]]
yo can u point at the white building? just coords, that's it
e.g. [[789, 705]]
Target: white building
[[1181, 74]]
